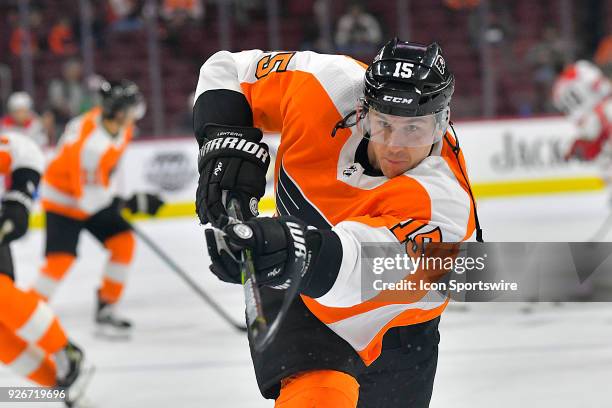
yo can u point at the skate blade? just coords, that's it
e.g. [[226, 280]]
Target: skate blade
[[75, 394], [110, 333]]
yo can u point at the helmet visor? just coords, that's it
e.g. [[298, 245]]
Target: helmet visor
[[404, 131]]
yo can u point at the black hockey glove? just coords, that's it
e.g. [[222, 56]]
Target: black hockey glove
[[232, 163], [144, 203], [13, 221], [281, 247], [16, 204]]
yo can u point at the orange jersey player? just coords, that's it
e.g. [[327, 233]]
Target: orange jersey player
[[33, 344], [364, 157], [78, 193]]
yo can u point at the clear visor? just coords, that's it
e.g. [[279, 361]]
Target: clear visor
[[416, 131]]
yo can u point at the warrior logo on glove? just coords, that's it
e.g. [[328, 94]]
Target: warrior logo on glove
[[232, 162]]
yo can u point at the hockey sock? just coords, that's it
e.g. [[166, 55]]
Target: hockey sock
[[56, 266], [25, 359], [30, 318], [320, 388], [121, 248]]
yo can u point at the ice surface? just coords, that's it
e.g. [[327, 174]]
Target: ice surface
[[183, 355]]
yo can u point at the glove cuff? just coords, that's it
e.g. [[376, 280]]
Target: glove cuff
[[324, 264], [213, 131], [18, 197]]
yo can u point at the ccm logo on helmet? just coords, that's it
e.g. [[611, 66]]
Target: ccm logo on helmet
[[396, 99], [237, 144]]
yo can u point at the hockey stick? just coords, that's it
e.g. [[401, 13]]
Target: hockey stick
[[262, 333], [185, 277]]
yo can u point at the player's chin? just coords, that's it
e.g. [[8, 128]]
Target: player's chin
[[394, 168]]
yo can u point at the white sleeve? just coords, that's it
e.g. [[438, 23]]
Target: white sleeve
[[226, 70], [346, 290], [25, 153]]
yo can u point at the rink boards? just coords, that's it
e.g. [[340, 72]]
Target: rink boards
[[515, 157]]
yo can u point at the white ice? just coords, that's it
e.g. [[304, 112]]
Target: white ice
[[183, 355]]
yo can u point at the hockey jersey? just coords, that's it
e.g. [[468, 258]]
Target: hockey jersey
[[77, 182], [584, 93], [17, 152], [303, 95]]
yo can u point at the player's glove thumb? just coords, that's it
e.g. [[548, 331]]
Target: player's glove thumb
[[280, 249]]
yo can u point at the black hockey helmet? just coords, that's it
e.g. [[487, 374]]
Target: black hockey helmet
[[408, 79], [118, 96]]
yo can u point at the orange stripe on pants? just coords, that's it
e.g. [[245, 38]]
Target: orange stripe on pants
[[12, 348], [121, 248], [319, 389], [18, 307]]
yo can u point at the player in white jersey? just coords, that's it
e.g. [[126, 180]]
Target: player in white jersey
[[584, 94], [22, 119]]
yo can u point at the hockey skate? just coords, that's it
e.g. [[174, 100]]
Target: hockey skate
[[109, 324], [73, 374]]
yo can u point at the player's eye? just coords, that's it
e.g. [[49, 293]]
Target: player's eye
[[412, 128]]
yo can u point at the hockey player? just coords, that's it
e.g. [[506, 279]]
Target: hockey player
[[32, 342], [22, 119], [584, 93], [390, 173], [77, 193]]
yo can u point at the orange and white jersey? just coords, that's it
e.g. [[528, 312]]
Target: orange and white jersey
[[318, 179], [77, 182]]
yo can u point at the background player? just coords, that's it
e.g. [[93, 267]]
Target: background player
[[397, 176], [584, 93], [22, 119], [32, 342], [78, 193]]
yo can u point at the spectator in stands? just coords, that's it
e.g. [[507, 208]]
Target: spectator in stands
[[603, 55], [125, 15], [17, 41], [67, 97], [61, 38], [34, 31], [185, 9], [358, 32], [22, 119], [547, 59]]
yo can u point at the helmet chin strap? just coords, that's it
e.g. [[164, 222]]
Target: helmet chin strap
[[456, 150], [344, 123]]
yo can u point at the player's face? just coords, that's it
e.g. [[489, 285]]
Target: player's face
[[398, 144], [21, 115], [393, 160]]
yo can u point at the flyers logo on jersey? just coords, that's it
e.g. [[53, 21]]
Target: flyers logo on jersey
[[274, 62]]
